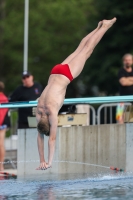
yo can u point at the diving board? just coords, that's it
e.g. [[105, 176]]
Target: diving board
[[88, 100]]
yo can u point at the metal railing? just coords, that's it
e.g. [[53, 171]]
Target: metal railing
[[105, 106], [92, 118], [93, 115]]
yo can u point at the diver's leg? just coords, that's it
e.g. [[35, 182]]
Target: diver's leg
[[82, 44], [77, 63]]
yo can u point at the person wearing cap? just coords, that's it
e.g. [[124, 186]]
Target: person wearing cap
[[28, 91], [4, 124]]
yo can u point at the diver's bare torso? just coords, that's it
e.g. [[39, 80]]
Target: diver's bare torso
[[53, 95]]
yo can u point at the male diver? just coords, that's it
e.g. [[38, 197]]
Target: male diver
[[51, 99]]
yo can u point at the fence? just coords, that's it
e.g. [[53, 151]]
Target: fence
[[110, 106]]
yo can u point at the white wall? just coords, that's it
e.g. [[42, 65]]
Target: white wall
[[106, 145]]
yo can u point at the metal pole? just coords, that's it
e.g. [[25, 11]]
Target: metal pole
[[26, 26], [111, 118]]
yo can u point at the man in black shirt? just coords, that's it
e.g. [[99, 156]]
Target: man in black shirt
[[27, 92], [125, 76]]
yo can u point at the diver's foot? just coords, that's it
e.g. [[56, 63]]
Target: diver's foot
[[100, 24], [108, 23]]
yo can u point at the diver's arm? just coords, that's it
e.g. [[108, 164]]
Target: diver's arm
[[40, 142], [53, 119]]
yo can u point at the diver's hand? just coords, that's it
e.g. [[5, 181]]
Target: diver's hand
[[43, 166]]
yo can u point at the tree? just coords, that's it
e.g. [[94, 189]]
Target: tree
[[102, 68], [2, 17], [55, 29]]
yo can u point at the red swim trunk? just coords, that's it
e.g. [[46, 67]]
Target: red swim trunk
[[62, 69]]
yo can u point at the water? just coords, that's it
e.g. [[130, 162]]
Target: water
[[111, 186]]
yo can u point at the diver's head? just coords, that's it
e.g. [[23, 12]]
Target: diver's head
[[43, 126]]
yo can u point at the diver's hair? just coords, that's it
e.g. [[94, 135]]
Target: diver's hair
[[2, 86], [43, 126], [126, 55]]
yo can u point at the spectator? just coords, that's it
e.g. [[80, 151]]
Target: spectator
[[125, 76], [4, 123], [29, 91]]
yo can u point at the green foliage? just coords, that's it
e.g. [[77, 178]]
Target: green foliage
[[50, 31], [55, 29], [103, 66]]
